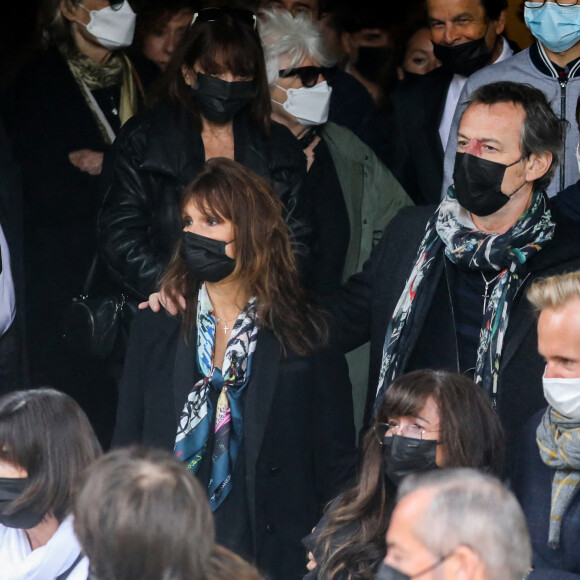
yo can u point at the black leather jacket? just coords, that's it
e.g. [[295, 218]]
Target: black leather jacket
[[153, 158]]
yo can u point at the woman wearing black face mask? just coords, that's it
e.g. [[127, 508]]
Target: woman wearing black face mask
[[213, 102], [240, 385], [46, 442], [428, 419]]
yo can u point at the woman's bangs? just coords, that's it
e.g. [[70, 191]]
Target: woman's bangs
[[212, 202], [229, 56], [403, 403]]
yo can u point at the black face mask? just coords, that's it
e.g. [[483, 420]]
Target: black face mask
[[386, 572], [206, 259], [477, 184], [10, 490], [464, 59], [371, 61], [405, 455], [220, 100]]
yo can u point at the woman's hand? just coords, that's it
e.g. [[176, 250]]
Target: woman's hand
[[159, 299], [311, 562], [86, 160]]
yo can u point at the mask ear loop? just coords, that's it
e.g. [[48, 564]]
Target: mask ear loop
[[510, 195]]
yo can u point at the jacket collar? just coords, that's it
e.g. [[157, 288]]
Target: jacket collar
[[177, 148], [541, 61]]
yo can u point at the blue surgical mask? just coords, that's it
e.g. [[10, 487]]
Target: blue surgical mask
[[556, 27]]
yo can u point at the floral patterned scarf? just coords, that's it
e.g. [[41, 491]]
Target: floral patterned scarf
[[507, 254], [193, 430]]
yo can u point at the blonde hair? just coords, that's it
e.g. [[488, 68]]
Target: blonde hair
[[554, 291]]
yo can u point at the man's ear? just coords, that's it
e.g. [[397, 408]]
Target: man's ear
[[68, 10], [538, 165], [499, 24], [464, 564], [347, 44]]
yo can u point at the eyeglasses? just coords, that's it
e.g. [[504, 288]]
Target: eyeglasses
[[213, 13], [540, 3], [384, 430], [309, 74], [116, 4]]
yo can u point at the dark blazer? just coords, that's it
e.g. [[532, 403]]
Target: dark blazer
[[298, 439], [364, 305], [531, 481], [414, 150]]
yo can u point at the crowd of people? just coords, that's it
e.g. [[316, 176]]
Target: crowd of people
[[330, 255]]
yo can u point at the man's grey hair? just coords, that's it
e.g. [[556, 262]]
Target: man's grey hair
[[294, 37], [469, 508]]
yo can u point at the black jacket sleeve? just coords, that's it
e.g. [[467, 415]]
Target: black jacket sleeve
[[126, 221]]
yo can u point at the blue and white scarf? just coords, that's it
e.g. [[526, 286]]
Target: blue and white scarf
[[193, 430]]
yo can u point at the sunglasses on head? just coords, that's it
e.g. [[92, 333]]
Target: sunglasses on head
[[213, 13], [309, 74]]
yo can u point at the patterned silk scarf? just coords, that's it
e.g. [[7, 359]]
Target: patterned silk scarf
[[117, 71], [559, 443], [193, 430], [507, 253]]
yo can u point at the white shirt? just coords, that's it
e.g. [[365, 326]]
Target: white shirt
[[19, 562], [454, 91], [7, 299]]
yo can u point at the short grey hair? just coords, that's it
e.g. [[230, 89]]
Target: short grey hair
[[294, 37], [469, 508]]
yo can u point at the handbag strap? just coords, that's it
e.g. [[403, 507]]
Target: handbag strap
[[90, 277], [69, 570]]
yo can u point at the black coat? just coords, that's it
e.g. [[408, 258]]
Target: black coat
[[414, 149], [298, 439], [365, 303], [155, 156]]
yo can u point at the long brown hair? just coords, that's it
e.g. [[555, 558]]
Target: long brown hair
[[264, 259], [472, 435]]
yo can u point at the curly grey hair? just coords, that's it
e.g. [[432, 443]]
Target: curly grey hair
[[294, 37]]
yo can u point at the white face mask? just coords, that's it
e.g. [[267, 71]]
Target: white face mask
[[309, 106], [112, 28], [563, 395]]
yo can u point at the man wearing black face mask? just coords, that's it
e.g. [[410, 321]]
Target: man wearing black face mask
[[456, 524], [444, 288], [466, 36]]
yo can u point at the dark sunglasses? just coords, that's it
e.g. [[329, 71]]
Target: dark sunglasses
[[116, 4], [309, 74], [213, 13]]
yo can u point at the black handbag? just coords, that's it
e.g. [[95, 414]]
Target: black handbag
[[93, 323]]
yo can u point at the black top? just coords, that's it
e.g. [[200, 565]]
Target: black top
[[232, 519], [109, 99], [467, 291], [331, 222]]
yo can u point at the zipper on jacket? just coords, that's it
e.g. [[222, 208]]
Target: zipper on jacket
[[563, 83]]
